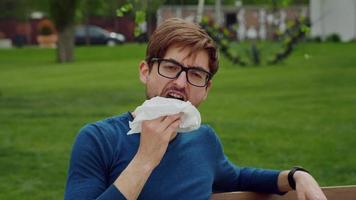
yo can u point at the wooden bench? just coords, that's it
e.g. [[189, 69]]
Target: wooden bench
[[331, 193]]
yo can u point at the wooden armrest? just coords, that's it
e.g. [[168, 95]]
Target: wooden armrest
[[332, 193]]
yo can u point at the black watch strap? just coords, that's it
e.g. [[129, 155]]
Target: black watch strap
[[291, 180]]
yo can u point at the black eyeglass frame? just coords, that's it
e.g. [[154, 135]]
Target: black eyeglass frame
[[183, 68]]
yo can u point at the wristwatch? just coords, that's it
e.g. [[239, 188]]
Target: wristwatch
[[291, 180]]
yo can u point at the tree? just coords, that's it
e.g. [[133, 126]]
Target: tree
[[63, 14], [13, 9], [21, 9], [150, 8], [143, 11], [90, 8]]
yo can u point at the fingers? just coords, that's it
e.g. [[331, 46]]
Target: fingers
[[161, 124], [300, 195], [308, 188], [172, 128], [164, 118], [316, 195], [155, 137], [169, 120]]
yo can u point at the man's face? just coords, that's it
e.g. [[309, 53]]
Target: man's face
[[179, 88]]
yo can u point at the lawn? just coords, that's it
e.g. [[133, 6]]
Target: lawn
[[300, 112]]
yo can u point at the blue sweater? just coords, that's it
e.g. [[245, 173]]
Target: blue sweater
[[193, 167]]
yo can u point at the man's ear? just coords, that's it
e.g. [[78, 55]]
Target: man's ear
[[144, 71], [207, 89]]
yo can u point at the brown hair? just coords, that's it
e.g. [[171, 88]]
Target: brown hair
[[183, 34]]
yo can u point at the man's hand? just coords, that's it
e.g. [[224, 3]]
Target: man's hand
[[307, 188], [155, 137], [154, 140]]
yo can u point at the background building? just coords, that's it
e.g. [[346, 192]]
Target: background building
[[334, 17], [249, 22]]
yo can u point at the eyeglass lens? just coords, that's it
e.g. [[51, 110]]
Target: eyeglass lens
[[172, 70]]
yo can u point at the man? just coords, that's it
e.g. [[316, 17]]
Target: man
[[160, 163]]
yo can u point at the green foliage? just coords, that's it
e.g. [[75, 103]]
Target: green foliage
[[10, 8], [195, 2], [333, 38], [295, 32], [21, 9], [142, 10], [63, 12], [124, 9], [221, 36], [103, 8], [244, 2], [140, 17], [271, 117], [279, 3]]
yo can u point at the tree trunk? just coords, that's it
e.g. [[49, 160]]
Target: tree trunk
[[151, 23], [65, 50], [63, 15]]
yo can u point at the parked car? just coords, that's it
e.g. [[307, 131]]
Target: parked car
[[97, 35]]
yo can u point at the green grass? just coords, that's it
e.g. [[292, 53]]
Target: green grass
[[300, 112]]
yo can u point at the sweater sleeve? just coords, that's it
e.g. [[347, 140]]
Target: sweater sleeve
[[229, 177], [88, 167]]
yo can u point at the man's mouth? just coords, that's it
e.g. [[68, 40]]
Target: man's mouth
[[175, 95]]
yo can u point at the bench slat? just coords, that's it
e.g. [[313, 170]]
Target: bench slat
[[332, 193]]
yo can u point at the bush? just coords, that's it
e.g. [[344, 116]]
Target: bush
[[334, 37], [46, 27], [317, 39]]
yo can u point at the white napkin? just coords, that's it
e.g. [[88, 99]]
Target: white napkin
[[160, 106]]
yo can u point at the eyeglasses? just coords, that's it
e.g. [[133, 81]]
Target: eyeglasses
[[172, 69]]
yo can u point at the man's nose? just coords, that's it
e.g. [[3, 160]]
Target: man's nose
[[181, 80]]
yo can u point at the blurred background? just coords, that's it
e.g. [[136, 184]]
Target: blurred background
[[285, 93]]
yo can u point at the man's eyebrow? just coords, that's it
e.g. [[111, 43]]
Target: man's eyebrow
[[192, 66], [173, 60], [198, 67]]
